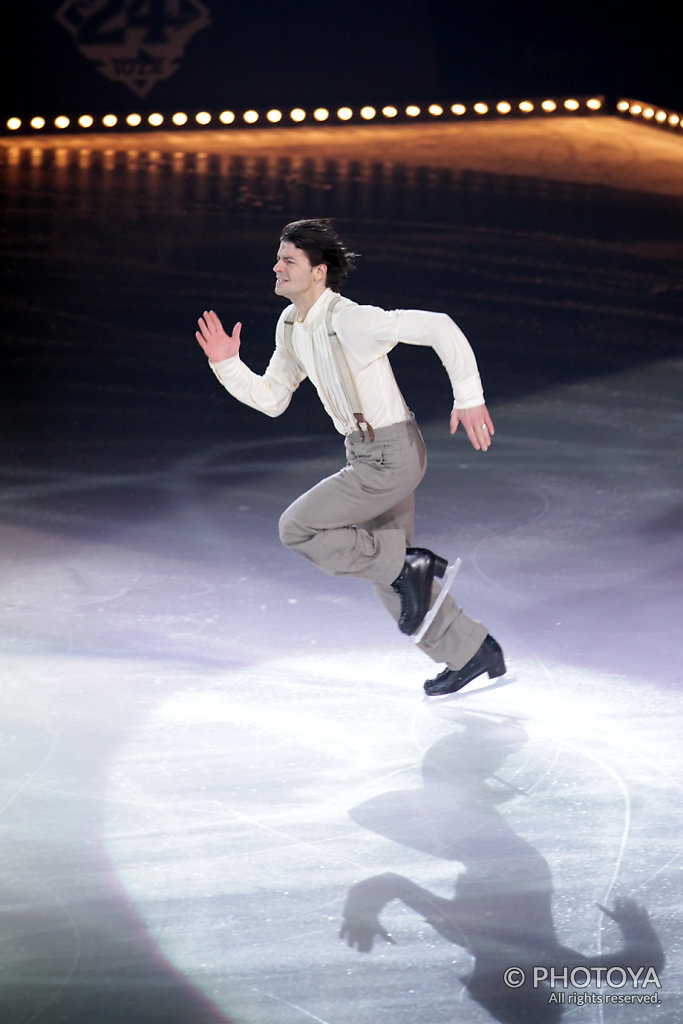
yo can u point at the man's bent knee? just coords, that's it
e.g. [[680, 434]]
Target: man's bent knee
[[291, 532]]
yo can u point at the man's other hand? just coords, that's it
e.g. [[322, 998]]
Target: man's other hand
[[478, 426]]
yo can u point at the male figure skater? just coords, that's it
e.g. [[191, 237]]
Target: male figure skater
[[359, 522]]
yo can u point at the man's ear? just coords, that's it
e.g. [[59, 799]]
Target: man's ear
[[320, 271]]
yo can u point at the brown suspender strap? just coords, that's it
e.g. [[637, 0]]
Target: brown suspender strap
[[345, 379]]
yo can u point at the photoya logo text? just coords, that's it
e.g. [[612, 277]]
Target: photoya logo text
[[582, 977], [601, 977], [135, 42]]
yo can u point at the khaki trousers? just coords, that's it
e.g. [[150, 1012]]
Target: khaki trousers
[[360, 521]]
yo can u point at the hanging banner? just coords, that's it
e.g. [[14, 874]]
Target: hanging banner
[[137, 43]]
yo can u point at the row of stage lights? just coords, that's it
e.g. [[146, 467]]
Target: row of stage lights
[[654, 114], [321, 115]]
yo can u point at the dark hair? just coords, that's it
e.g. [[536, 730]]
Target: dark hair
[[321, 243]]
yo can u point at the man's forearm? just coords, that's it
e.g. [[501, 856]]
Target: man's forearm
[[250, 388]]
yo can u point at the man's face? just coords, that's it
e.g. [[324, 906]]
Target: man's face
[[295, 278]]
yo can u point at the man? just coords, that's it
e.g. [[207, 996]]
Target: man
[[359, 522]]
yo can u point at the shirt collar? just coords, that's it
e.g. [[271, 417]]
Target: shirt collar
[[318, 310]]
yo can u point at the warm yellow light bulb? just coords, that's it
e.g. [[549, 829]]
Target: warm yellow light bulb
[[155, 120], [179, 118], [660, 116], [571, 104], [526, 106], [367, 113], [321, 114], [458, 109], [389, 111], [622, 105], [594, 104], [274, 116], [250, 116], [298, 115], [503, 107], [345, 113], [435, 110], [85, 121], [481, 108], [37, 122], [109, 120], [203, 117], [133, 120], [61, 122], [226, 117], [412, 110], [549, 106], [14, 123]]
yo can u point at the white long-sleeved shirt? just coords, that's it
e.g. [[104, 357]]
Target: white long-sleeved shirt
[[367, 334]]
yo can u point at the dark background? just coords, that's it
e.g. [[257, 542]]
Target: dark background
[[269, 53], [106, 271]]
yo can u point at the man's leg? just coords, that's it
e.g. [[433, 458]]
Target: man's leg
[[375, 493], [453, 637], [328, 524]]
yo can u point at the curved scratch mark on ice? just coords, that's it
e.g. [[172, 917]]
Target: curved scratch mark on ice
[[293, 1006]]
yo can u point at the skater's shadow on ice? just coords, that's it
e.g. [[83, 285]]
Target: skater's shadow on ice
[[501, 909]]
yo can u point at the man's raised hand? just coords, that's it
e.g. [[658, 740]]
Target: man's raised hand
[[216, 343]]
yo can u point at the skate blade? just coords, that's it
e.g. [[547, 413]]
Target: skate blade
[[450, 574]]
